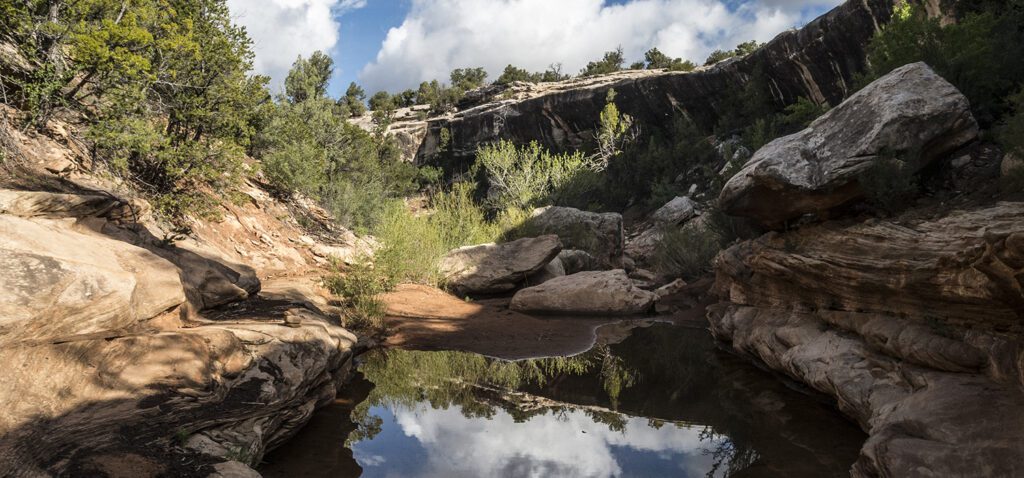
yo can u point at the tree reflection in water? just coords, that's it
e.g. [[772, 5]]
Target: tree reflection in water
[[478, 386], [665, 401]]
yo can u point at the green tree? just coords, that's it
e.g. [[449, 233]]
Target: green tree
[[610, 63], [554, 73], [979, 54], [512, 74], [308, 77], [465, 79], [353, 100], [718, 56], [614, 130], [405, 99], [656, 60], [742, 49], [747, 47], [381, 100]]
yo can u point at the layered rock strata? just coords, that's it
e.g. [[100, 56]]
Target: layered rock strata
[[914, 328]]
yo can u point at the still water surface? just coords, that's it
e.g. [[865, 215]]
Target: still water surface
[[664, 402]]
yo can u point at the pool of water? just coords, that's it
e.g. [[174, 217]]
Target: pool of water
[[663, 402]]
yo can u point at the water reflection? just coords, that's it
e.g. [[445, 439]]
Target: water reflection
[[565, 442], [664, 402]]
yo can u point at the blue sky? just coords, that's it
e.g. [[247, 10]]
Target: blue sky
[[396, 44], [362, 32]]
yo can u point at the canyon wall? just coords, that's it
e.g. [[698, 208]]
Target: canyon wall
[[819, 61]]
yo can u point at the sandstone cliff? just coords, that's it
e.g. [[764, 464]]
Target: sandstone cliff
[[818, 61]]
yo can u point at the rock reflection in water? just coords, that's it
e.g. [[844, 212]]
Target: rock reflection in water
[[664, 402]]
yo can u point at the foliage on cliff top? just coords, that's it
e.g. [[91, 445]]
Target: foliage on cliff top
[[979, 53]]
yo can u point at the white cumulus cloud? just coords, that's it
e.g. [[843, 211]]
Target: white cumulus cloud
[[440, 35], [567, 443], [282, 30]]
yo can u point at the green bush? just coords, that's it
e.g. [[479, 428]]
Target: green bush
[[361, 286], [654, 59], [610, 63], [742, 49], [979, 53], [308, 146], [166, 91], [530, 176], [1011, 130], [888, 184], [686, 251], [459, 220]]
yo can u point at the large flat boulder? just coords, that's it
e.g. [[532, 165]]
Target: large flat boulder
[[911, 113], [58, 279], [599, 234], [585, 293], [495, 268]]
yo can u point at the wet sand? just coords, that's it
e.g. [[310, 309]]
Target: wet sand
[[425, 318]]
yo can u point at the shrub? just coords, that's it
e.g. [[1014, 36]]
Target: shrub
[[308, 146], [361, 286], [525, 177], [655, 60], [610, 63], [1011, 131], [742, 49], [888, 183], [979, 54], [458, 220], [665, 155], [165, 90], [687, 251], [1011, 136]]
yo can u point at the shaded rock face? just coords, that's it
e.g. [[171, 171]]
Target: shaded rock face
[[102, 379], [915, 329], [550, 271], [679, 209], [818, 62], [575, 260], [910, 112], [598, 234], [585, 293], [640, 246], [494, 268]]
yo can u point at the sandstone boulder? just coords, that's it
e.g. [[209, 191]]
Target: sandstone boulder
[[54, 205], [229, 390], [599, 234], [910, 113], [674, 212], [495, 268], [585, 293], [550, 271], [640, 246], [575, 260], [58, 280]]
